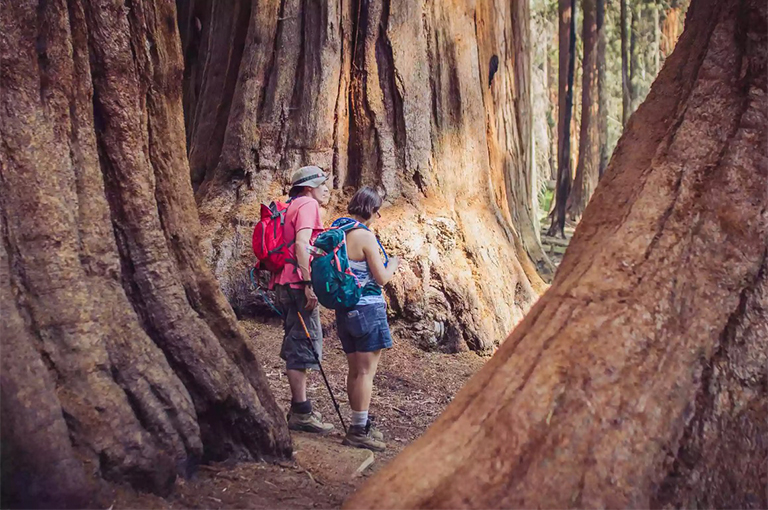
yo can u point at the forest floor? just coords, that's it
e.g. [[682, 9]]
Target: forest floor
[[555, 246], [411, 389]]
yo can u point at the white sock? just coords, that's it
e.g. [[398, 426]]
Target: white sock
[[359, 418]]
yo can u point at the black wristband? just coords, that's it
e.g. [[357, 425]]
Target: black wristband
[[306, 282]]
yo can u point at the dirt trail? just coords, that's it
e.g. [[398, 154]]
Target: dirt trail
[[411, 388]]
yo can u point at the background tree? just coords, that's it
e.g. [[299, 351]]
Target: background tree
[[626, 83], [567, 58], [638, 379], [552, 86], [636, 55], [385, 93], [656, 31], [672, 25], [602, 89], [587, 167], [543, 45], [121, 357]]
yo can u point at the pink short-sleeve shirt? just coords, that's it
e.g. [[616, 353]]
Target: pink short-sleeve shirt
[[303, 212]]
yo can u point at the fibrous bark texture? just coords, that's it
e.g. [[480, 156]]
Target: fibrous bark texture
[[427, 101], [121, 357], [641, 377]]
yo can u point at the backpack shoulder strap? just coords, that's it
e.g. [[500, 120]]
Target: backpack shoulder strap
[[348, 224]]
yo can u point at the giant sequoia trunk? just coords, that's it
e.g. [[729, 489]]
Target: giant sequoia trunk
[[639, 378], [427, 101], [121, 357]]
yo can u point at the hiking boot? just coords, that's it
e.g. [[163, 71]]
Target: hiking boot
[[361, 437], [311, 422], [375, 433]]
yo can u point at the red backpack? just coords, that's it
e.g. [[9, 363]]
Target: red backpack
[[268, 243]]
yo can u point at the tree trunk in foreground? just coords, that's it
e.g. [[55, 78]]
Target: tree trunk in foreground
[[639, 378], [390, 93], [587, 167], [567, 55], [121, 358]]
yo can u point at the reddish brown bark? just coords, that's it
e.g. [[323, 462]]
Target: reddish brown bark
[[626, 84], [638, 379], [670, 31], [587, 167], [636, 55], [503, 31], [389, 93], [106, 292], [602, 94], [567, 55], [552, 91]]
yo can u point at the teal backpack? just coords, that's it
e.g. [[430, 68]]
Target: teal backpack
[[334, 283]]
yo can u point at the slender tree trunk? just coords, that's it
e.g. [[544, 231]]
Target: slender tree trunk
[[121, 357], [542, 107], [656, 49], [390, 93], [602, 96], [638, 379], [588, 164], [576, 110], [567, 52], [671, 27], [552, 85], [626, 84], [636, 60]]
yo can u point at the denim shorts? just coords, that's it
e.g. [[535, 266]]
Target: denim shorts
[[297, 349], [364, 328]]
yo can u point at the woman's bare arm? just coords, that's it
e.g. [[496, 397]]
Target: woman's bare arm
[[381, 274]]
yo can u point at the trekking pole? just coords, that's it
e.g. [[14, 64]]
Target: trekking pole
[[263, 294], [322, 372]]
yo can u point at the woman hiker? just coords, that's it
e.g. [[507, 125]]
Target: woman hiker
[[294, 294], [363, 330]]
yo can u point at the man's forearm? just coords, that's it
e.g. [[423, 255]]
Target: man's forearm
[[302, 258]]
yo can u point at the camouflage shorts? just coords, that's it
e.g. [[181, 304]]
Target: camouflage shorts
[[296, 350]]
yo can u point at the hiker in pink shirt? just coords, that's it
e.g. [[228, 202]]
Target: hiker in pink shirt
[[293, 289]]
